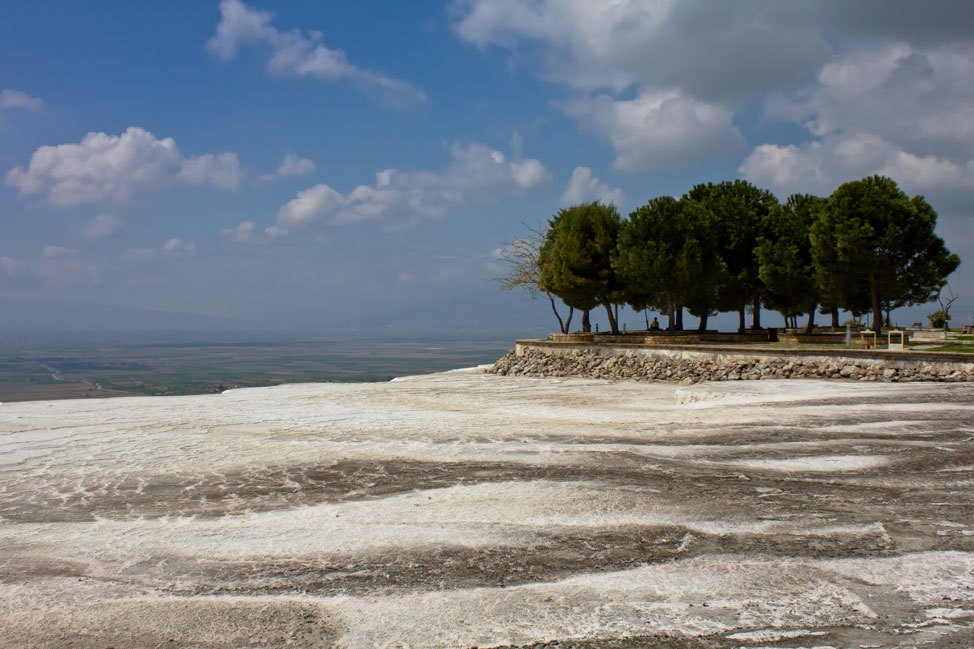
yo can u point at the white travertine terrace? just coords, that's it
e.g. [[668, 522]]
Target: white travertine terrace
[[463, 509]]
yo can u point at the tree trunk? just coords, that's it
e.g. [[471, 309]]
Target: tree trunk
[[679, 317], [613, 323], [741, 320], [568, 322], [811, 317], [877, 305], [703, 322], [835, 318], [586, 325], [756, 314], [562, 325], [670, 312]]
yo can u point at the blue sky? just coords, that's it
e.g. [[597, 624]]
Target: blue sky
[[307, 163]]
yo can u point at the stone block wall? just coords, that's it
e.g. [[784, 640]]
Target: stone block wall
[[687, 366]]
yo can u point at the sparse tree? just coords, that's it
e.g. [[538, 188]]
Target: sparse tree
[[945, 302], [524, 263]]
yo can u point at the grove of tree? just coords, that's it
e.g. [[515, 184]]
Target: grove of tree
[[731, 246]]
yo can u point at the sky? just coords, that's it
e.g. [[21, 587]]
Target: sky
[[316, 164]]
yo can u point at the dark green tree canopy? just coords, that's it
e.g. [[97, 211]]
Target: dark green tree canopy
[[667, 256], [738, 211], [784, 255], [872, 239], [576, 256]]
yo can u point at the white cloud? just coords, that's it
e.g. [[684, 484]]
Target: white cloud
[[55, 265], [112, 168], [171, 248], [657, 129], [821, 166], [584, 187], [177, 248], [714, 51], [10, 99], [896, 110], [240, 233], [294, 52], [476, 172], [918, 97], [294, 165], [101, 226], [704, 60]]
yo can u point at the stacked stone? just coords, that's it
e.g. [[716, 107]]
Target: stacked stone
[[630, 366]]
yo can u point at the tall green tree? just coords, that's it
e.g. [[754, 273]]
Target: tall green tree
[[666, 257], [739, 211], [577, 259], [784, 255], [874, 239]]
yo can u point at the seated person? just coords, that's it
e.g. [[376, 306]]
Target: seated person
[[654, 325]]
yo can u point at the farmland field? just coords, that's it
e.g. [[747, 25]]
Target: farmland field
[[109, 366]]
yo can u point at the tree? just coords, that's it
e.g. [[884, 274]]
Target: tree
[[872, 239], [666, 257], [738, 210], [784, 256], [524, 264], [576, 259], [945, 302]]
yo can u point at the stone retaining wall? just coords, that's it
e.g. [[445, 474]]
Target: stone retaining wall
[[538, 358]]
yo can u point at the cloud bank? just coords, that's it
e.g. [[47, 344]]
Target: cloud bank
[[400, 198], [662, 81], [896, 110]]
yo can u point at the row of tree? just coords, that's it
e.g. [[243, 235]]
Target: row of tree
[[733, 247]]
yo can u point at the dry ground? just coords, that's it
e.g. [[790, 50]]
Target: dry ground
[[463, 509]]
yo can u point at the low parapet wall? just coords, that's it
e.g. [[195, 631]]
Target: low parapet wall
[[691, 364]]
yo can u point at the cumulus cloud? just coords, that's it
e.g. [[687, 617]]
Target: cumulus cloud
[[584, 187], [657, 130], [15, 99], [294, 165], [895, 110], [476, 172], [920, 97], [101, 226], [591, 45], [819, 167], [112, 168], [240, 233], [692, 63], [714, 51], [300, 54]]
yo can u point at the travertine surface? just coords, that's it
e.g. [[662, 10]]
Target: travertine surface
[[464, 509]]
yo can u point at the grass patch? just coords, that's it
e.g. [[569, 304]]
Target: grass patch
[[963, 349]]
